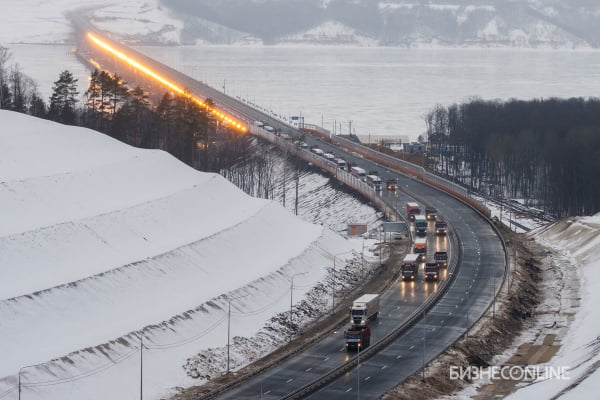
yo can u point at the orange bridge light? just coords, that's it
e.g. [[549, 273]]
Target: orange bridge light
[[139, 66]]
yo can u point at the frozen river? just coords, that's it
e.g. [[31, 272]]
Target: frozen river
[[381, 90]]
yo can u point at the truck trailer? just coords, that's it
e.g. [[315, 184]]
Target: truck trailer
[[441, 258], [410, 267], [357, 337], [431, 213], [412, 209], [364, 309], [441, 227], [420, 247], [431, 271], [421, 225]]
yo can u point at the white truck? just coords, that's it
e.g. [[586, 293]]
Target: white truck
[[364, 309]]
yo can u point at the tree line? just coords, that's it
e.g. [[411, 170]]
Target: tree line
[[544, 150], [173, 123]]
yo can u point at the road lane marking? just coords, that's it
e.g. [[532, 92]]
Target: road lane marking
[[267, 392], [326, 358], [367, 378], [289, 380], [411, 347], [349, 389], [398, 356], [308, 370], [384, 367]]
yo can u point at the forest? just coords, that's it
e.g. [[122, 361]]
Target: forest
[[546, 151], [173, 123]]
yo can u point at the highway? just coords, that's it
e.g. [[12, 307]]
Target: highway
[[468, 296]]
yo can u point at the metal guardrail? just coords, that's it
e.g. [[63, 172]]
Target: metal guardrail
[[390, 337], [372, 195]]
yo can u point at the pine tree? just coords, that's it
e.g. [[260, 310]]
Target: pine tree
[[64, 99]]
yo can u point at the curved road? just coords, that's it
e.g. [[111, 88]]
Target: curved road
[[467, 298]]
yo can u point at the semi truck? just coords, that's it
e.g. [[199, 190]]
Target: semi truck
[[391, 184], [357, 337], [375, 182], [412, 209], [441, 228], [421, 225], [340, 163], [431, 213], [441, 258], [364, 309], [420, 247], [410, 267], [431, 271]]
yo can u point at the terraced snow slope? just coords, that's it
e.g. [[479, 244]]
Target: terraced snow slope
[[99, 240]]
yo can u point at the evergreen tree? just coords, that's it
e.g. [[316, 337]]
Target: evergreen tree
[[5, 97], [37, 106], [64, 99]]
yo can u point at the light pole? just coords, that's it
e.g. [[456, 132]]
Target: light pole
[[291, 298], [20, 371], [141, 365], [229, 325], [358, 374]]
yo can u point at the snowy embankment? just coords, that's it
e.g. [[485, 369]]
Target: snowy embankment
[[578, 240], [100, 240]]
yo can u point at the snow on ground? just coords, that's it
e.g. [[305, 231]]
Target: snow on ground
[[578, 240], [103, 240], [566, 322]]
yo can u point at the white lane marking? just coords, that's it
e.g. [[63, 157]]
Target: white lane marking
[[308, 370], [384, 367], [442, 322], [289, 380], [267, 392], [367, 378], [326, 358], [398, 356], [412, 347], [342, 349], [349, 389]]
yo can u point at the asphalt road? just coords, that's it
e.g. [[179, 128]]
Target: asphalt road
[[467, 298]]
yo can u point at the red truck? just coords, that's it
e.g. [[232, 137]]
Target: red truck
[[357, 337], [412, 209]]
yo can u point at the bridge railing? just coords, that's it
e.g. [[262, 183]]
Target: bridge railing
[[403, 166]]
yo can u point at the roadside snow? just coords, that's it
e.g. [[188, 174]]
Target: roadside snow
[[578, 239]]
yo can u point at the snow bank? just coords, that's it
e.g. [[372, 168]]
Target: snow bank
[[100, 240], [579, 240]]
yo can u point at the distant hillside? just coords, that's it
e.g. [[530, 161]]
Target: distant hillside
[[520, 23]]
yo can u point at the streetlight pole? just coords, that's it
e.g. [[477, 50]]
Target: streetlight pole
[[291, 298], [358, 374], [141, 365], [20, 371], [229, 325]]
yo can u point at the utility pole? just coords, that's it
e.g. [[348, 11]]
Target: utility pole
[[141, 365], [358, 374], [291, 298], [349, 127], [297, 187], [229, 324]]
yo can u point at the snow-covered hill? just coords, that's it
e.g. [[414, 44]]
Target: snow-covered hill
[[100, 240], [490, 23], [577, 240]]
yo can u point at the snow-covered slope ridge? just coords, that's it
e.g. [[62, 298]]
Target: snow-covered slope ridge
[[99, 240], [578, 239]]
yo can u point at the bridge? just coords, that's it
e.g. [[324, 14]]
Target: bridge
[[416, 322]]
